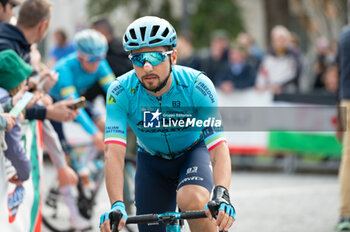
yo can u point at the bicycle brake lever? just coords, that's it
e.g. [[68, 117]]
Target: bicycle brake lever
[[115, 217], [213, 208]]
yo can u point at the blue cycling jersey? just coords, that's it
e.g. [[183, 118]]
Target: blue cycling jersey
[[130, 103], [73, 81]]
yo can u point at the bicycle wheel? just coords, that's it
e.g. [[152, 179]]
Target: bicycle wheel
[[55, 214]]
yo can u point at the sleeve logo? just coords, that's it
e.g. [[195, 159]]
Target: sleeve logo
[[111, 99]]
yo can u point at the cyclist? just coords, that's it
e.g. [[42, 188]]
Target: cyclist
[[79, 71], [173, 164]]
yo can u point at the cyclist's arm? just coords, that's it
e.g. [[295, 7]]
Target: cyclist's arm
[[221, 163], [114, 166], [115, 140], [67, 90], [106, 76], [205, 99]]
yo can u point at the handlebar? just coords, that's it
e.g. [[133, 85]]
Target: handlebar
[[115, 217]]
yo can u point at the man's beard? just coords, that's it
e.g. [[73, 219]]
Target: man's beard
[[160, 86]]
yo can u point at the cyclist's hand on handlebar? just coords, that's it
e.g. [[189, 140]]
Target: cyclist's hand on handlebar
[[97, 139], [106, 225], [221, 208]]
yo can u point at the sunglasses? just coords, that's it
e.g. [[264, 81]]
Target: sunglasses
[[155, 58], [92, 59]]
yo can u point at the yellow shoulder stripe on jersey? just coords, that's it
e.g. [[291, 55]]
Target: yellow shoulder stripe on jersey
[[68, 91], [107, 79]]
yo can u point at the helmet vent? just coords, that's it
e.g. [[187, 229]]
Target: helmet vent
[[133, 44], [155, 41], [166, 32], [132, 33], [126, 38], [154, 30], [143, 32]]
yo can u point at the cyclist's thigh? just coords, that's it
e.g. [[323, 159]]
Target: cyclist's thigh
[[154, 192], [196, 169], [59, 130]]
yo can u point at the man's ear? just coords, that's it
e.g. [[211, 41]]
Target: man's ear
[[174, 57], [43, 25]]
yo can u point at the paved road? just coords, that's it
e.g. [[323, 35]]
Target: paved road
[[271, 202]]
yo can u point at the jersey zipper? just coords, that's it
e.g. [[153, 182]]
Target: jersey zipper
[[165, 135]]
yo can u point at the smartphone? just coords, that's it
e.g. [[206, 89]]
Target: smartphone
[[78, 103], [21, 104]]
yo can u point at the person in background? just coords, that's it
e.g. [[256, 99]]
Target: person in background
[[19, 38], [321, 63], [119, 62], [255, 53], [78, 72], [6, 9], [13, 74], [331, 79], [62, 47], [237, 73], [212, 63], [116, 57], [186, 54], [280, 68]]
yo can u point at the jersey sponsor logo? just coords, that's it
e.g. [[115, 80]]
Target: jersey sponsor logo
[[151, 119], [192, 178], [133, 90], [114, 130], [111, 99], [205, 91], [176, 104], [191, 170], [208, 131], [14, 200], [117, 90]]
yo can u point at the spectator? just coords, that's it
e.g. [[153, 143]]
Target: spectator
[[6, 9], [237, 73], [280, 68], [119, 62], [116, 57], [19, 38], [61, 48], [331, 79], [321, 63], [212, 63], [186, 54], [13, 73], [255, 54]]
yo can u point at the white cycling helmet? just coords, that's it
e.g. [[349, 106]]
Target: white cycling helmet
[[149, 31], [90, 42]]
